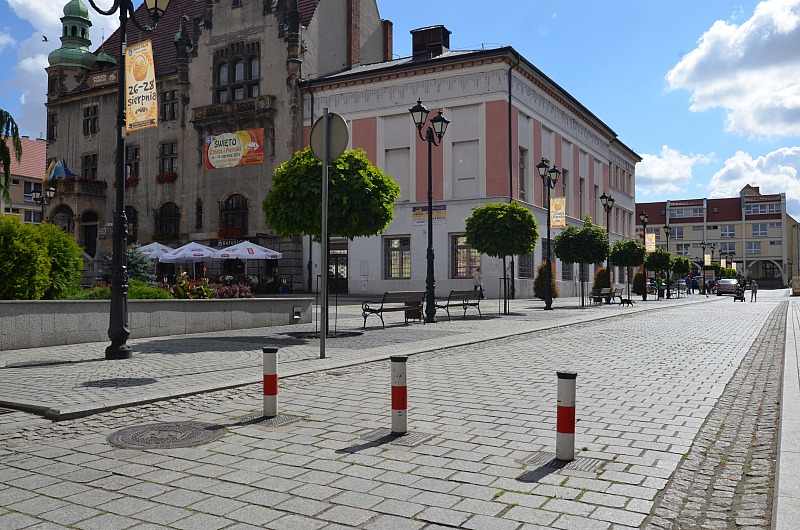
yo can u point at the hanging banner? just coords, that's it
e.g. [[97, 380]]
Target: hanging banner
[[722, 263], [707, 260], [141, 101], [231, 149], [419, 215], [558, 212], [650, 242]]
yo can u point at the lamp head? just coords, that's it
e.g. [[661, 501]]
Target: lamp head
[[610, 202], [36, 195], [541, 167], [50, 193], [156, 8], [604, 199], [667, 230], [643, 217], [439, 124], [554, 173], [419, 114]]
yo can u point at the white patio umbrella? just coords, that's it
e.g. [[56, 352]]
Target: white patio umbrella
[[191, 252], [247, 251], [154, 250]]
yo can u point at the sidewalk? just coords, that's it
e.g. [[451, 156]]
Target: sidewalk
[[482, 390]]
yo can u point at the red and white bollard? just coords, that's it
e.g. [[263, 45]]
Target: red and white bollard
[[270, 382], [565, 417], [399, 395]]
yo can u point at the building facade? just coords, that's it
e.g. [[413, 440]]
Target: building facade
[[26, 179], [505, 117], [751, 232], [223, 69]]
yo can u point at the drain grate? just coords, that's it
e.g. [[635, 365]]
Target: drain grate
[[6, 411], [166, 435], [548, 460], [262, 421], [384, 436]]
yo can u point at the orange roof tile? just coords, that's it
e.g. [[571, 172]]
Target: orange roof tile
[[34, 159]]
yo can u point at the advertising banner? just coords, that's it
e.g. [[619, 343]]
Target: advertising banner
[[707, 260], [558, 212], [419, 215], [141, 103], [231, 149], [650, 242], [722, 262]]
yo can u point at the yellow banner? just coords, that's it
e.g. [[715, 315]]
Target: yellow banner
[[707, 260], [141, 103], [558, 212], [650, 242], [723, 263]]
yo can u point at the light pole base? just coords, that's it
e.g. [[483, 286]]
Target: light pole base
[[123, 351], [548, 308]]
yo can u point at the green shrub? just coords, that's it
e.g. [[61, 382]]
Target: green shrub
[[99, 292], [538, 283], [66, 264], [600, 279], [23, 261], [139, 290], [638, 283], [138, 267]]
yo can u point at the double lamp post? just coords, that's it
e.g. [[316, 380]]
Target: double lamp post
[[644, 218], [608, 204], [549, 179], [43, 199], [119, 329], [433, 136]]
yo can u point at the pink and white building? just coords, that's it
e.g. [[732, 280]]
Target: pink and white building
[[505, 116]]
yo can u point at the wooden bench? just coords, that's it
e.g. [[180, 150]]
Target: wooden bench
[[604, 294], [617, 294], [462, 299], [410, 302]]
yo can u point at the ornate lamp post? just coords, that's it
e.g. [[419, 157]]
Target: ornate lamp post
[[608, 204], [703, 246], [643, 217], [43, 199], [549, 178], [433, 136], [119, 329], [667, 230]]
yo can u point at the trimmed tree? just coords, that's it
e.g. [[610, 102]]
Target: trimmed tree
[[538, 283], [360, 195], [658, 261], [627, 253], [582, 245], [681, 265], [66, 264], [502, 229], [9, 132], [23, 260]]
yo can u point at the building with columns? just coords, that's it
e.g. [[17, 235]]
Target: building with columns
[[505, 117], [751, 232]]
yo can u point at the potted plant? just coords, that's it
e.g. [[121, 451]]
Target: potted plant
[[794, 283]]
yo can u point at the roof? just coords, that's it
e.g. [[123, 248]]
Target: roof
[[307, 9], [34, 159]]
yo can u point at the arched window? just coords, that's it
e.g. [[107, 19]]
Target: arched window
[[255, 67], [233, 214], [238, 71], [168, 219], [221, 89]]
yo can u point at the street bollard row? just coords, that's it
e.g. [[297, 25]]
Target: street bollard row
[[565, 417]]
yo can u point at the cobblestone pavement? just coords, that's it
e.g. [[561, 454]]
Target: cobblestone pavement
[[726, 479], [649, 384]]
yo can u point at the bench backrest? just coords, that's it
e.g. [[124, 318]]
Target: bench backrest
[[396, 297], [472, 294], [605, 290]]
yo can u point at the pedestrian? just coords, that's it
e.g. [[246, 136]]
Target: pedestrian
[[477, 281], [695, 285], [753, 291]]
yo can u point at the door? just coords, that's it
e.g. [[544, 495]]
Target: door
[[337, 269]]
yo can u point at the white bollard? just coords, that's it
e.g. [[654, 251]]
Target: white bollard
[[270, 382], [399, 395], [565, 417]]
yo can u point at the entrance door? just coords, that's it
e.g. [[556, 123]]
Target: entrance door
[[89, 233], [337, 269]]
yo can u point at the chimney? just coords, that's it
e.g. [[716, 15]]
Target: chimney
[[429, 42], [388, 30]]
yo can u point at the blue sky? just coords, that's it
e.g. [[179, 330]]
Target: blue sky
[[707, 92]]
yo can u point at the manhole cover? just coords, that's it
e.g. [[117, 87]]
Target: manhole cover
[[383, 436], [275, 421], [543, 459], [166, 435]]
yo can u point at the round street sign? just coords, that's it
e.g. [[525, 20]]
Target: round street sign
[[338, 136]]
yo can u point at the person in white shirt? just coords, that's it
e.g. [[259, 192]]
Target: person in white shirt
[[477, 280]]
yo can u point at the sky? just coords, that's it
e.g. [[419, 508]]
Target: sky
[[706, 92]]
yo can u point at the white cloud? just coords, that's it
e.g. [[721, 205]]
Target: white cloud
[[6, 40], [750, 70], [775, 172], [666, 173]]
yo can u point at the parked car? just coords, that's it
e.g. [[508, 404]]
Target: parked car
[[726, 286]]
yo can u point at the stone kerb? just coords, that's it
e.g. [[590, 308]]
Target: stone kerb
[[34, 324]]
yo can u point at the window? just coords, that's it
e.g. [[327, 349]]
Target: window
[[463, 258], [168, 158], [131, 162], [776, 243], [565, 189], [52, 127], [679, 213], [15, 182], [29, 187], [53, 86], [677, 232], [755, 209], [169, 105], [727, 231], [233, 214], [133, 224], [168, 221], [198, 213], [237, 72], [89, 166], [567, 272], [236, 3], [760, 230], [523, 174], [727, 247], [697, 228], [396, 258], [33, 217], [753, 247], [91, 120], [525, 266], [682, 249]]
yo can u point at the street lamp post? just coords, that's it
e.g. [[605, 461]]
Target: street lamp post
[[549, 178], [703, 246], [667, 230], [608, 204], [119, 329], [433, 136], [43, 199], [643, 217]]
